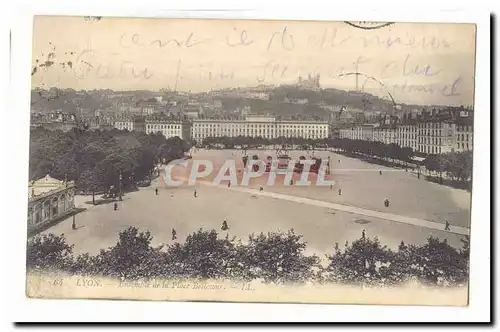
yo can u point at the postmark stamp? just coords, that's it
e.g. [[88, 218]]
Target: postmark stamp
[[368, 25]]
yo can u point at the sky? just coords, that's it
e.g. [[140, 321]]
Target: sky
[[416, 63]]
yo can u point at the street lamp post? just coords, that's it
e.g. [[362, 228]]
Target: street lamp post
[[120, 194]]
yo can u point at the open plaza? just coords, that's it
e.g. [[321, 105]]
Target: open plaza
[[418, 208]]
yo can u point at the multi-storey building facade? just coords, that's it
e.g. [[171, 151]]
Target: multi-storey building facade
[[99, 121], [385, 134], [168, 127], [56, 120], [434, 134], [353, 133], [64, 126], [435, 137], [254, 95], [259, 126], [463, 136], [139, 123], [61, 116], [124, 123], [448, 130], [367, 132], [407, 135], [362, 132], [130, 123]]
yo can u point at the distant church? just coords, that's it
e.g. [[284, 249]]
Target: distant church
[[311, 83]]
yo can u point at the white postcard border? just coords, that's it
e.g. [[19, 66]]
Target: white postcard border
[[15, 174]]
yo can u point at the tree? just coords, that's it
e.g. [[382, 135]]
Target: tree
[[275, 257], [46, 147], [464, 162], [432, 163], [465, 250], [132, 257], [279, 257], [402, 267], [48, 252], [438, 263], [464, 253], [203, 255], [450, 164], [406, 154], [70, 154], [394, 151], [40, 169], [227, 142], [92, 180], [442, 163], [365, 261], [173, 148]]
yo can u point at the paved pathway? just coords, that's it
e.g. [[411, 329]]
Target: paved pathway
[[356, 210], [344, 208]]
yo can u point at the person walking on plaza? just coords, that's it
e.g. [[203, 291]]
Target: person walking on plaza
[[116, 206], [380, 172], [73, 225], [156, 191], [363, 234], [195, 194], [224, 227], [386, 202], [261, 188], [340, 192], [174, 234], [447, 225], [229, 184]]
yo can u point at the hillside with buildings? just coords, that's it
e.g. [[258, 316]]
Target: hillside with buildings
[[305, 99], [264, 111]]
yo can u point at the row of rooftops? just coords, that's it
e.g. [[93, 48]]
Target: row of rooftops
[[376, 126], [457, 115], [450, 115], [252, 118]]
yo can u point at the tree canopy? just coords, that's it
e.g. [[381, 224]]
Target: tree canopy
[[274, 257], [95, 159]]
